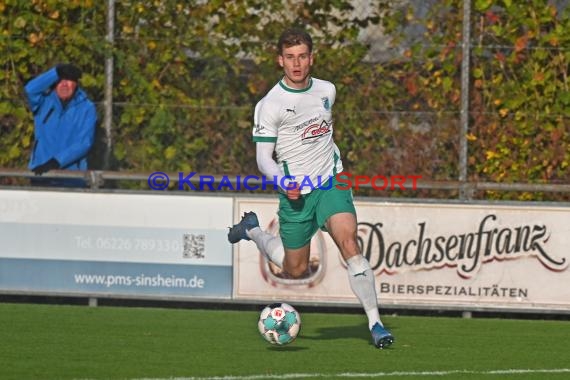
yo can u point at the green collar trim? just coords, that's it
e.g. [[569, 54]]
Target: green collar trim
[[289, 89]]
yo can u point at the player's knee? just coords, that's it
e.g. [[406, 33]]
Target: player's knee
[[297, 271]]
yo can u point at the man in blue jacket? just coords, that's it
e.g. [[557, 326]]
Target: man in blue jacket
[[64, 123]]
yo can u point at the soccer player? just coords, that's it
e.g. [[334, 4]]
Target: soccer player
[[295, 121]]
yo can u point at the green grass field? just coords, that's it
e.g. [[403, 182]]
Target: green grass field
[[79, 342]]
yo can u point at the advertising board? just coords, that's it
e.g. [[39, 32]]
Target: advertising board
[[470, 256], [117, 244]]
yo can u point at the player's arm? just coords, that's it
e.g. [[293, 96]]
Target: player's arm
[[270, 169], [266, 124]]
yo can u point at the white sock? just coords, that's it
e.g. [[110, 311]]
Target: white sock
[[270, 245], [362, 282]]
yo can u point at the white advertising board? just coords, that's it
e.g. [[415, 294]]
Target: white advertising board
[[147, 244], [474, 256]]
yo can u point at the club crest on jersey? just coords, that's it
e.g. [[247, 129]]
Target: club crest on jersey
[[312, 133], [326, 103]]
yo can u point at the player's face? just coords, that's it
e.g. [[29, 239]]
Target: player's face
[[65, 89], [296, 62]]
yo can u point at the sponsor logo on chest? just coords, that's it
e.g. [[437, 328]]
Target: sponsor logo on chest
[[315, 131]]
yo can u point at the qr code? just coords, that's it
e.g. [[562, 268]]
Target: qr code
[[194, 246]]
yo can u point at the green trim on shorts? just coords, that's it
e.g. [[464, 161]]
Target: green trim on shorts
[[299, 220]]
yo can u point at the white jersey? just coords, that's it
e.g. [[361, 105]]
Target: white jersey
[[300, 124]]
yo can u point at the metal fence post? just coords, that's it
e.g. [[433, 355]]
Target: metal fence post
[[108, 118], [464, 128]]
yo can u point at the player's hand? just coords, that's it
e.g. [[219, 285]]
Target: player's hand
[[293, 191], [51, 164]]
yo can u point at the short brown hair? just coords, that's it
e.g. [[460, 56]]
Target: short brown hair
[[293, 37]]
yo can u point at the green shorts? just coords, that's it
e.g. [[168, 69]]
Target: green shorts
[[299, 220]]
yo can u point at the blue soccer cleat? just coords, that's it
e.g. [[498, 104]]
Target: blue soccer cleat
[[238, 231], [382, 338]]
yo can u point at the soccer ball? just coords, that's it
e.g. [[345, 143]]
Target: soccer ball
[[279, 323]]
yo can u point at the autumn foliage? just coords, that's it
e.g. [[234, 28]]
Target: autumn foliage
[[187, 75]]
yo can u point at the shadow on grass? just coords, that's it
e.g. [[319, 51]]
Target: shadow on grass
[[359, 331], [287, 348]]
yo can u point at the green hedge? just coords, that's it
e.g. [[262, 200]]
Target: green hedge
[[188, 74]]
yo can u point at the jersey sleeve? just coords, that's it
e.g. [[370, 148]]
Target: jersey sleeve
[[265, 122]]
